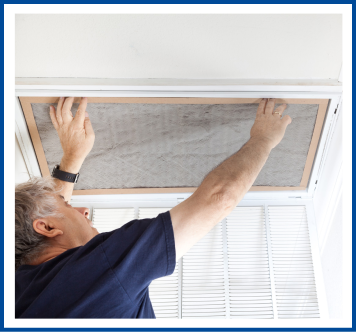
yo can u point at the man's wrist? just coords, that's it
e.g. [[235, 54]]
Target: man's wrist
[[70, 165], [265, 143]]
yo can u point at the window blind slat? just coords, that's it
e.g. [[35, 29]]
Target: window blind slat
[[106, 220], [296, 294], [249, 280], [203, 294]]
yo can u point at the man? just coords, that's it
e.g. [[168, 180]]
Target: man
[[66, 269]]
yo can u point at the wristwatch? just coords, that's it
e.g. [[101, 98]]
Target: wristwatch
[[64, 176]]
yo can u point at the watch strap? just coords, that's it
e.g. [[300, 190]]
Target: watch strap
[[64, 176]]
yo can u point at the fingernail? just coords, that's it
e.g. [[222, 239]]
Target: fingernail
[[84, 98], [86, 115], [61, 98]]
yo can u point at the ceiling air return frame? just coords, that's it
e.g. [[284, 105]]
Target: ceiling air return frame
[[27, 107]]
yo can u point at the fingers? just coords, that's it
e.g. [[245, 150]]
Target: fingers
[[286, 119], [52, 114], [280, 109], [63, 114], [67, 115], [59, 111], [87, 125], [270, 106], [80, 115], [261, 106]]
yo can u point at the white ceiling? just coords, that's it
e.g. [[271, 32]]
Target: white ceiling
[[179, 46]]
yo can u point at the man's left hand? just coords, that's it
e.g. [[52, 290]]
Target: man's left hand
[[75, 133]]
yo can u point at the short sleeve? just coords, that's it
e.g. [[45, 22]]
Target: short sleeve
[[141, 251]]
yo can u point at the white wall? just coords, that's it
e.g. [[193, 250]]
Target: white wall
[[179, 46], [336, 260], [328, 213], [21, 173], [347, 47], [329, 184]]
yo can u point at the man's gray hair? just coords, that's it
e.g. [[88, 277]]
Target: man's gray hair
[[34, 199]]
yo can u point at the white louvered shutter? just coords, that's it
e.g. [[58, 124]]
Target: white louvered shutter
[[292, 262], [228, 273], [106, 220], [164, 292], [204, 284], [250, 292]]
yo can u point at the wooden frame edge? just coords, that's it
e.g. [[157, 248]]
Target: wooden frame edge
[[167, 190], [314, 143], [35, 136]]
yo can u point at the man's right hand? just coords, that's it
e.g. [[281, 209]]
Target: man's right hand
[[269, 127]]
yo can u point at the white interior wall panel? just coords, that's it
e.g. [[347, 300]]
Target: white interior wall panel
[[327, 204], [332, 264], [205, 46], [21, 172]]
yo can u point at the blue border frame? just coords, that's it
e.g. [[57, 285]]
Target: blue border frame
[[7, 23]]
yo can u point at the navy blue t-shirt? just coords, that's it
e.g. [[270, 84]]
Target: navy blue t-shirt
[[106, 278]]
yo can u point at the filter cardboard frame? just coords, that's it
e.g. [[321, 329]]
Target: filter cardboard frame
[[41, 158]]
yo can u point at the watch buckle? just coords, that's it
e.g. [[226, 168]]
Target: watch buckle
[[76, 178]]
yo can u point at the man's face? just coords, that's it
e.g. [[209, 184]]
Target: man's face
[[77, 228]]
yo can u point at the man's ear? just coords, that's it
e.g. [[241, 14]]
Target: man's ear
[[41, 226]]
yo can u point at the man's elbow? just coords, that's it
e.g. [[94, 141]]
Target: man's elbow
[[221, 196], [224, 200]]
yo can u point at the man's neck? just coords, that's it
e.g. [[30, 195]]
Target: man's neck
[[49, 254]]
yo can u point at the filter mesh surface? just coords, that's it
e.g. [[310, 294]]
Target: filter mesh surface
[[176, 145]]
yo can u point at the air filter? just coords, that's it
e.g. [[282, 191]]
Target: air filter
[[171, 144]]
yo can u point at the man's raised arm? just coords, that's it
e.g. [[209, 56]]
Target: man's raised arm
[[77, 138], [225, 186]]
